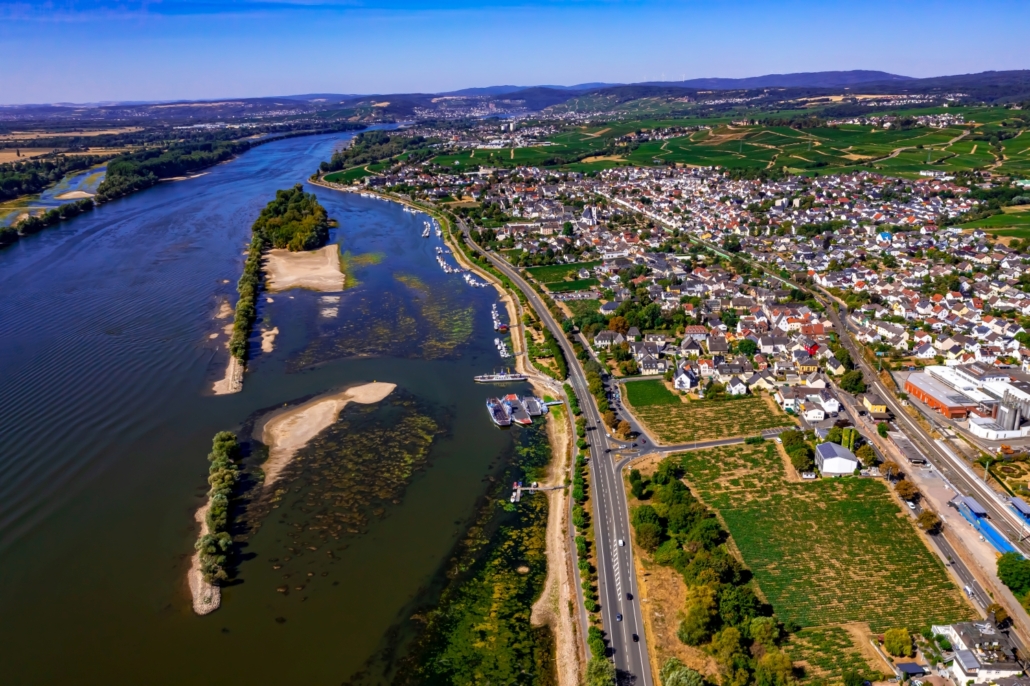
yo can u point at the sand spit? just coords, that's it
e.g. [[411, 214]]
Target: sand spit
[[316, 270], [206, 597], [268, 339], [74, 195], [287, 432], [232, 382]]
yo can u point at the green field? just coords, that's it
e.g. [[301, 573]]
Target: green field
[[824, 553], [557, 272], [703, 420], [567, 286], [648, 393], [1017, 223], [578, 308]]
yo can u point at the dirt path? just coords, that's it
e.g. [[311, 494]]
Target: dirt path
[[557, 602]]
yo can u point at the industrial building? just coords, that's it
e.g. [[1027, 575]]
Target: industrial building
[[996, 405]]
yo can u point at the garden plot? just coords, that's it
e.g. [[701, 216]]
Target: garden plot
[[702, 420]]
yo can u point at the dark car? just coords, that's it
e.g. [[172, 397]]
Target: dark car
[[618, 618], [636, 639]]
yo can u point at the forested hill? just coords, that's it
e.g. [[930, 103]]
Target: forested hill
[[294, 220], [140, 170]]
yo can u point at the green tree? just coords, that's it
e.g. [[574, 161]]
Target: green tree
[[929, 521], [747, 347], [866, 454], [700, 616], [1014, 572], [852, 382], [675, 673], [906, 490], [600, 672], [835, 435], [898, 642], [774, 669], [649, 536], [882, 428]]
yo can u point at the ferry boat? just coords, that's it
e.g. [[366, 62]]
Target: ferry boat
[[534, 406], [516, 412], [498, 412], [500, 377]]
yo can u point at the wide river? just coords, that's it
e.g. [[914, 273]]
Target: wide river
[[108, 350]]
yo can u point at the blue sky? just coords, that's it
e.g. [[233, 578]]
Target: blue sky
[[75, 51]]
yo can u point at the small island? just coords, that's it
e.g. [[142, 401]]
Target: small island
[[286, 240]]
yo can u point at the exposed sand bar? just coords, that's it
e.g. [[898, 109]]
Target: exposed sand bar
[[74, 195], [206, 597], [287, 432], [316, 270]]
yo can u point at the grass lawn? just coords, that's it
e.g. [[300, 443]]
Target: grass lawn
[[824, 553], [705, 420], [557, 272], [348, 176], [566, 286], [651, 392]]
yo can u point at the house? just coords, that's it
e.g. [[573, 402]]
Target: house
[[833, 366], [874, 404], [813, 413], [835, 460], [690, 348], [633, 334], [925, 352], [606, 339], [982, 653], [717, 345], [736, 387], [686, 379]]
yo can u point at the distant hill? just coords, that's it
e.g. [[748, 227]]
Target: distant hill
[[816, 79]]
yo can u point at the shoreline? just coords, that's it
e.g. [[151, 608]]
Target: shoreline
[[288, 430], [206, 596]]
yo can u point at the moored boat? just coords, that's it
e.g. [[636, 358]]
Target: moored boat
[[498, 412]]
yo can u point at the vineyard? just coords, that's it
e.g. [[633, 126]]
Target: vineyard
[[702, 420], [830, 552], [825, 653]]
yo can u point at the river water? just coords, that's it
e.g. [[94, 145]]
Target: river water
[[106, 417]]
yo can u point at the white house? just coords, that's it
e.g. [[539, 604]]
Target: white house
[[814, 414], [982, 654], [736, 387], [685, 380], [835, 460]]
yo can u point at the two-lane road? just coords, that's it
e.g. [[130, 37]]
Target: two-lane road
[[617, 583]]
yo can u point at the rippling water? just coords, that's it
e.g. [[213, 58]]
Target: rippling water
[[106, 361]]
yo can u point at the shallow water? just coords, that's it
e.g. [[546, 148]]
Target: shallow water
[[106, 363]]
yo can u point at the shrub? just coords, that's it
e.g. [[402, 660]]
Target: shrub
[[1014, 572]]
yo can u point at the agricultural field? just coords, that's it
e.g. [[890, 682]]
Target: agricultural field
[[825, 653], [650, 392], [557, 272], [1017, 156], [705, 420], [1014, 224], [826, 553], [578, 308]]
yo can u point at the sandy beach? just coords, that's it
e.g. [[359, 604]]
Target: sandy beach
[[206, 597], [316, 270], [287, 432], [74, 195], [268, 339]]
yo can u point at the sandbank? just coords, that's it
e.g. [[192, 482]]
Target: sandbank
[[74, 195], [206, 597], [268, 339], [316, 270], [232, 382], [287, 432]]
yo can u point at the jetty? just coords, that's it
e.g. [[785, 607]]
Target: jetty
[[518, 489]]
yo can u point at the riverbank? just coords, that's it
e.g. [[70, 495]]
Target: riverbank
[[285, 432]]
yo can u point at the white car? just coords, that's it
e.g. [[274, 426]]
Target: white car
[[621, 542], [911, 505]]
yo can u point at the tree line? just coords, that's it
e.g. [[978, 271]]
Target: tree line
[[223, 476], [723, 616], [10, 234], [136, 171]]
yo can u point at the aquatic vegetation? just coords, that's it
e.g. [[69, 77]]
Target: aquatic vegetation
[[350, 263], [347, 475], [223, 476], [479, 630]]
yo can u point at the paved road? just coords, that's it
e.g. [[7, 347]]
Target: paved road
[[616, 575]]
